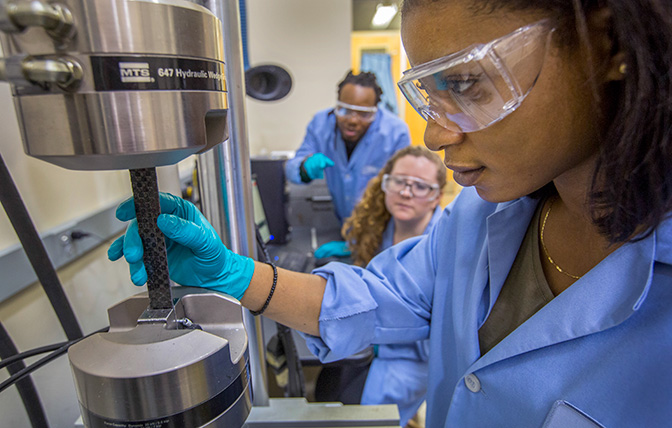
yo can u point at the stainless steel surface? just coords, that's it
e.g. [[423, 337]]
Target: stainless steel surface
[[297, 412], [54, 18], [146, 373], [152, 89], [236, 167], [159, 316], [157, 27], [26, 71], [212, 191], [162, 128]]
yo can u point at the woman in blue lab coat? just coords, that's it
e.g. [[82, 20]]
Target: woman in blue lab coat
[[349, 143], [401, 202], [546, 293]]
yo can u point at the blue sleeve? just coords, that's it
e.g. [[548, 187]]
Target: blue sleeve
[[388, 302], [309, 146]]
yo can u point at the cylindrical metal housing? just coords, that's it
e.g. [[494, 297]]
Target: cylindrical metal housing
[[152, 89], [147, 375]]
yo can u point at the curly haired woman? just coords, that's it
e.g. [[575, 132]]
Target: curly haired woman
[[401, 202]]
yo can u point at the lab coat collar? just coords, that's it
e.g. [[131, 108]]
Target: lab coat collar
[[388, 233], [603, 298], [506, 230]]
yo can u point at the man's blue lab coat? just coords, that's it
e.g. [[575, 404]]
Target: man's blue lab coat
[[347, 179], [600, 350], [398, 374]]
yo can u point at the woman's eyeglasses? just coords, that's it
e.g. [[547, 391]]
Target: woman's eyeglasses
[[419, 189]]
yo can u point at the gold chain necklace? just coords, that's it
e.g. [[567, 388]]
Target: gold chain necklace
[[543, 245]]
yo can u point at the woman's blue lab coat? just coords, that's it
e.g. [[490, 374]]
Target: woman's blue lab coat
[[398, 374], [599, 350], [347, 179]]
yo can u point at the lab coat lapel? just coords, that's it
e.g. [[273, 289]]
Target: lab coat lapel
[[603, 298], [506, 230]]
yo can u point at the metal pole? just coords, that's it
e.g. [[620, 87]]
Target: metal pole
[[232, 159], [212, 192]]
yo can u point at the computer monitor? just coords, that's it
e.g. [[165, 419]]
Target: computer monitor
[[259, 213], [270, 174]]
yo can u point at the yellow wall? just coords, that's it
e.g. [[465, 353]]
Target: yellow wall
[[390, 42]]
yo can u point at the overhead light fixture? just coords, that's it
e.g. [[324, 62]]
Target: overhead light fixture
[[384, 15]]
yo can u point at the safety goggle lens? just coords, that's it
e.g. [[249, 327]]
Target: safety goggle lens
[[472, 89], [366, 114], [398, 183]]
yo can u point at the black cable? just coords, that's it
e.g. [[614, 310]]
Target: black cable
[[16, 377], [31, 353], [37, 254], [261, 245], [296, 386], [25, 387]]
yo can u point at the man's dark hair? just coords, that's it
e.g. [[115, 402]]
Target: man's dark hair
[[365, 79], [632, 184]]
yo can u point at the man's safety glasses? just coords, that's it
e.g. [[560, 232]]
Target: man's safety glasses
[[419, 188], [470, 90], [365, 114]]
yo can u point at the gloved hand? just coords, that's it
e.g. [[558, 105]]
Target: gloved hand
[[196, 255], [332, 249], [315, 164]]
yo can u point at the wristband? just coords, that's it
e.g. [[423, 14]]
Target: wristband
[[303, 173], [270, 294]]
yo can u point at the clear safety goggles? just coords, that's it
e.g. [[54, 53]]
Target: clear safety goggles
[[366, 114], [419, 189], [470, 90]]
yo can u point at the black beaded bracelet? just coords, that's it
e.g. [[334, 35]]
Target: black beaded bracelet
[[303, 173], [270, 294]]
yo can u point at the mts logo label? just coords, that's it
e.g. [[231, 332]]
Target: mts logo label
[[135, 72]]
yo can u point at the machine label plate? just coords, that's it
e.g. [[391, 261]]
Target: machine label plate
[[155, 73]]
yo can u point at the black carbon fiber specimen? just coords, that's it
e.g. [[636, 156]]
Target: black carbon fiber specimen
[[147, 209]]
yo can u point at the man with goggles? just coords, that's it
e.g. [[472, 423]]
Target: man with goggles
[[348, 144], [418, 188], [472, 89]]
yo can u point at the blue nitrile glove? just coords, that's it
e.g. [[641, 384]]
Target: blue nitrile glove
[[196, 255], [315, 164], [332, 249]]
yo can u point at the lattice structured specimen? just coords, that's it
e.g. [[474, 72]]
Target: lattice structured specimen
[[147, 209]]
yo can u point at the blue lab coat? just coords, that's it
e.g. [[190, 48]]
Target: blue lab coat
[[603, 346], [398, 374], [347, 179]]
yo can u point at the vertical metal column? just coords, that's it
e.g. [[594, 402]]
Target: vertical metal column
[[232, 161], [212, 192]]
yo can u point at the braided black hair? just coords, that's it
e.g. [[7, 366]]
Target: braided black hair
[[366, 79]]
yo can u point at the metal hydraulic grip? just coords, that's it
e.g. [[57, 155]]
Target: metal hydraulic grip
[[145, 375]]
